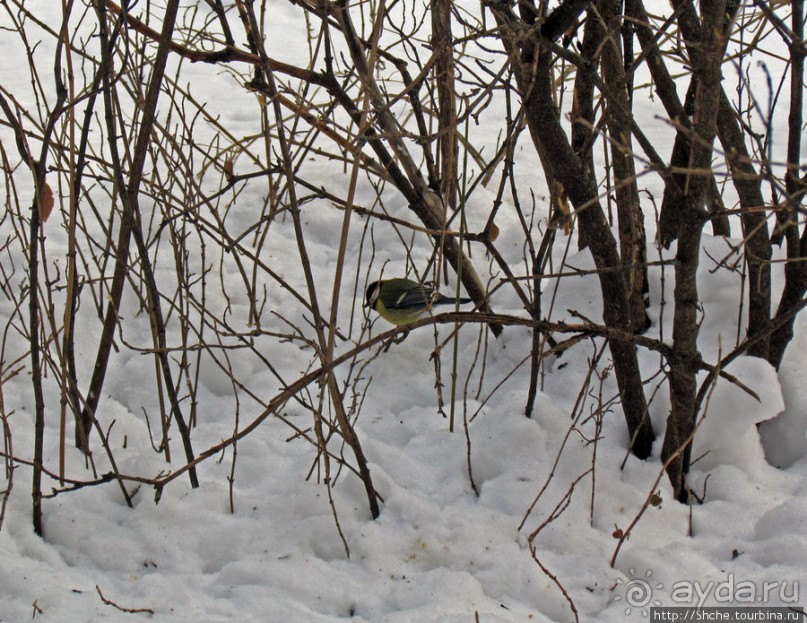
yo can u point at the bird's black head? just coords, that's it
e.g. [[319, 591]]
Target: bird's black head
[[372, 294]]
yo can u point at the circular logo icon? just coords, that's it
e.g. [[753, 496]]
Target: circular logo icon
[[638, 592]]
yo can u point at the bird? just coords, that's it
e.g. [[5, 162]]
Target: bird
[[401, 301]]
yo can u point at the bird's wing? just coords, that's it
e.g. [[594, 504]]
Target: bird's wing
[[416, 297]]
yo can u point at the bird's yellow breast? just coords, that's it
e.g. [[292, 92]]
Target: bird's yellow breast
[[398, 316]]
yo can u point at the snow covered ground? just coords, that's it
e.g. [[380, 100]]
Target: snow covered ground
[[438, 552]]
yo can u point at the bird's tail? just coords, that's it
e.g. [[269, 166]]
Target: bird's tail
[[445, 300]]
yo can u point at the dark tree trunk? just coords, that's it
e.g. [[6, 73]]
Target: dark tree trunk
[[583, 103], [447, 106], [680, 113], [706, 55], [748, 185], [796, 268], [632, 239], [532, 69]]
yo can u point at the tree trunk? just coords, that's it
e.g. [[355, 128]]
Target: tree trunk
[[632, 239], [447, 106], [532, 70], [796, 268], [706, 55]]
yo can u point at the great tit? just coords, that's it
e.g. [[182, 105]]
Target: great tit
[[401, 301]]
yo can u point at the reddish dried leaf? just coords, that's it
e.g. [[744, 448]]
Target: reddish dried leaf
[[228, 169], [45, 203]]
